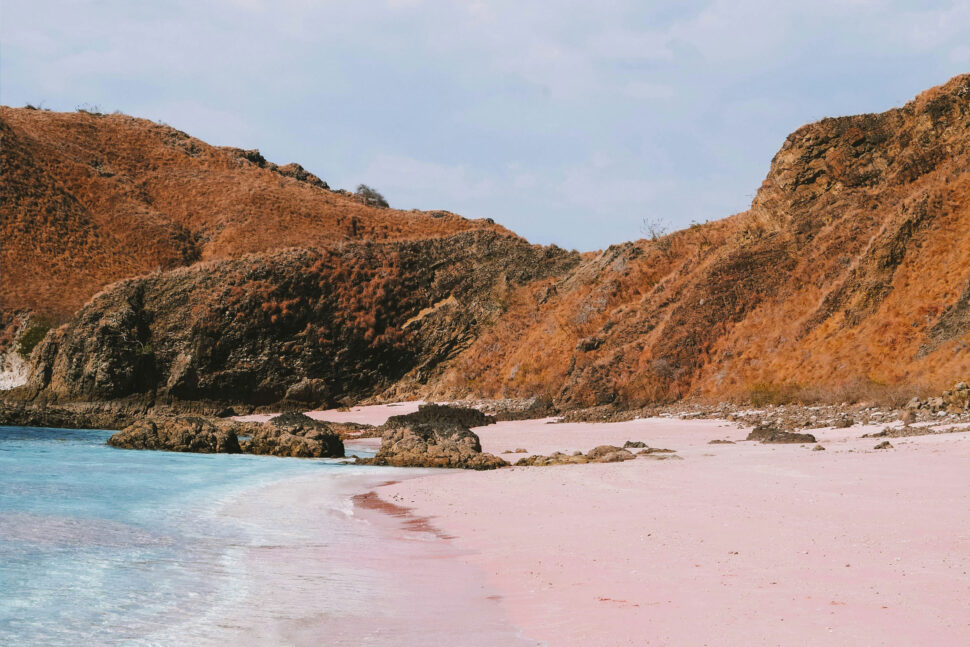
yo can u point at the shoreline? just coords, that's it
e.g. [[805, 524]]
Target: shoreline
[[329, 563]]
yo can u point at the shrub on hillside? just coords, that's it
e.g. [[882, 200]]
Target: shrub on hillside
[[32, 336], [371, 197]]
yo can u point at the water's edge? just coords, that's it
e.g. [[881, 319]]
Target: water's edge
[[175, 549]]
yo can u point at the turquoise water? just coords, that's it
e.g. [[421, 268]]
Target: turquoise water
[[107, 546]]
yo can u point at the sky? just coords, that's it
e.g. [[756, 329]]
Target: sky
[[568, 122]]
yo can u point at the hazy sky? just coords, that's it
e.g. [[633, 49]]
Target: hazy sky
[[569, 122]]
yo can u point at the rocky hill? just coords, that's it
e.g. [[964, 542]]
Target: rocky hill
[[89, 199], [303, 326], [848, 279]]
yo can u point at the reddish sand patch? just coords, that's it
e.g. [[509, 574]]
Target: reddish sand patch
[[409, 520]]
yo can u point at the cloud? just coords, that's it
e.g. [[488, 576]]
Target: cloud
[[564, 121], [403, 178], [646, 91]]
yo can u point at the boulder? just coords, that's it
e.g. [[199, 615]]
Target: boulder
[[296, 435], [770, 433], [608, 454], [441, 414], [311, 391], [177, 434], [556, 458], [433, 445], [638, 444]]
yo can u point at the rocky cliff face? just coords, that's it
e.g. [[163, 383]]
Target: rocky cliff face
[[305, 327], [848, 278]]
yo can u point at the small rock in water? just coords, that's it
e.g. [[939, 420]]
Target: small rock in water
[[718, 441], [884, 445], [818, 448]]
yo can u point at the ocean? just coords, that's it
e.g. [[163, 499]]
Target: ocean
[[105, 546], [101, 545]]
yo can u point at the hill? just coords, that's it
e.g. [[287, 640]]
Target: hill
[[91, 198], [847, 279]]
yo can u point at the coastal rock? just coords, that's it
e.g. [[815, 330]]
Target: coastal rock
[[556, 458], [884, 445], [608, 454], [177, 434], [601, 454], [434, 445], [662, 457], [637, 444], [441, 414], [522, 409], [295, 435], [312, 391], [770, 433]]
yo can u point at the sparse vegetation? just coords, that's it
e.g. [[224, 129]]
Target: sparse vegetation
[[32, 335], [89, 109], [95, 231], [656, 230], [371, 197]]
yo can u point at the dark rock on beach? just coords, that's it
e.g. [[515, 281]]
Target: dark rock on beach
[[768, 433], [600, 454], [441, 414], [608, 454], [178, 434], [409, 444], [288, 435], [295, 435]]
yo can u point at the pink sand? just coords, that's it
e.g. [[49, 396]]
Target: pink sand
[[742, 544], [370, 415]]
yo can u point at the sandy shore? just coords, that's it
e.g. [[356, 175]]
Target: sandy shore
[[736, 544]]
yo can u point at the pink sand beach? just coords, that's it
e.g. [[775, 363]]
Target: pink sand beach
[[735, 544]]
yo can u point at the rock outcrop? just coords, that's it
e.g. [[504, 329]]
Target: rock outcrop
[[441, 415], [600, 454], [296, 435], [771, 434], [955, 400], [178, 434], [434, 445], [291, 434], [299, 327]]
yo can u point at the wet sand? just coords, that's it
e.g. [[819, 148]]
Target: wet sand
[[328, 564]]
